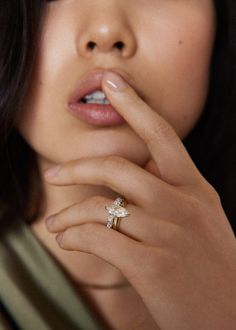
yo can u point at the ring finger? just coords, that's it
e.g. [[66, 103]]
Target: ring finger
[[139, 225]]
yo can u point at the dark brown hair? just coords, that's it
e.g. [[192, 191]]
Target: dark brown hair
[[211, 144]]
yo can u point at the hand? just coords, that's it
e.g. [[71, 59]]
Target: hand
[[176, 248]]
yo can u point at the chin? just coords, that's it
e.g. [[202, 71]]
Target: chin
[[138, 155], [123, 143]]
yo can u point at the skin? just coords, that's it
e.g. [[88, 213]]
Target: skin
[[177, 231]]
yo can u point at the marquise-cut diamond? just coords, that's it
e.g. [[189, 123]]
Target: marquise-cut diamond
[[117, 211]]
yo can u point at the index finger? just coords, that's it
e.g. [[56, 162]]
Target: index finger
[[174, 163]]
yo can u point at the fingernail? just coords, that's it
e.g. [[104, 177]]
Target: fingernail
[[59, 238], [114, 82], [51, 172], [49, 220]]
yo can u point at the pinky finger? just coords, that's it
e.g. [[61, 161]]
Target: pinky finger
[[112, 246]]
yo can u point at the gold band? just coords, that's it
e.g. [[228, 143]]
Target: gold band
[[116, 223]]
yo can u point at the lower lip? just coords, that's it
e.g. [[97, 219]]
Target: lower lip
[[96, 114]]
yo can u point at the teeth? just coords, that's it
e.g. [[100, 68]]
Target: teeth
[[97, 97], [98, 101]]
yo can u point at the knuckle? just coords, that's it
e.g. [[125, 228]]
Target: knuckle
[[87, 237], [112, 165], [173, 233], [108, 162], [161, 129], [74, 171], [111, 162], [168, 263], [194, 208], [97, 202], [213, 194], [206, 192], [81, 238], [173, 237], [198, 215]]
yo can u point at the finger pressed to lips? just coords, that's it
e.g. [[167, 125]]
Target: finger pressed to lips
[[138, 225], [175, 164]]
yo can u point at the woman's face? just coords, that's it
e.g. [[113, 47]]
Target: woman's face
[[167, 52]]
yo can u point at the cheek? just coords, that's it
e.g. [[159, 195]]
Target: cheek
[[178, 70]]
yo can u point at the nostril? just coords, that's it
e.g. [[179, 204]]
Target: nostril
[[91, 45], [119, 45]]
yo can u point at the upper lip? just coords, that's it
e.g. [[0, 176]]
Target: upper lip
[[92, 82]]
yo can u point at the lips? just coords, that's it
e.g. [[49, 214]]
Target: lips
[[95, 114], [87, 86]]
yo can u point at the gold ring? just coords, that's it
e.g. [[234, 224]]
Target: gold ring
[[115, 212], [116, 223]]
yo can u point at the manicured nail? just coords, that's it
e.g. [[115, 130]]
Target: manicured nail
[[49, 220], [114, 82], [51, 172]]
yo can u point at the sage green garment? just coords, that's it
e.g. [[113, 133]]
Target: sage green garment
[[34, 289]]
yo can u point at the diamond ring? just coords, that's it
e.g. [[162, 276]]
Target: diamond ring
[[115, 212]]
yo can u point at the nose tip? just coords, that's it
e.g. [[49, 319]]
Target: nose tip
[[112, 37]]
